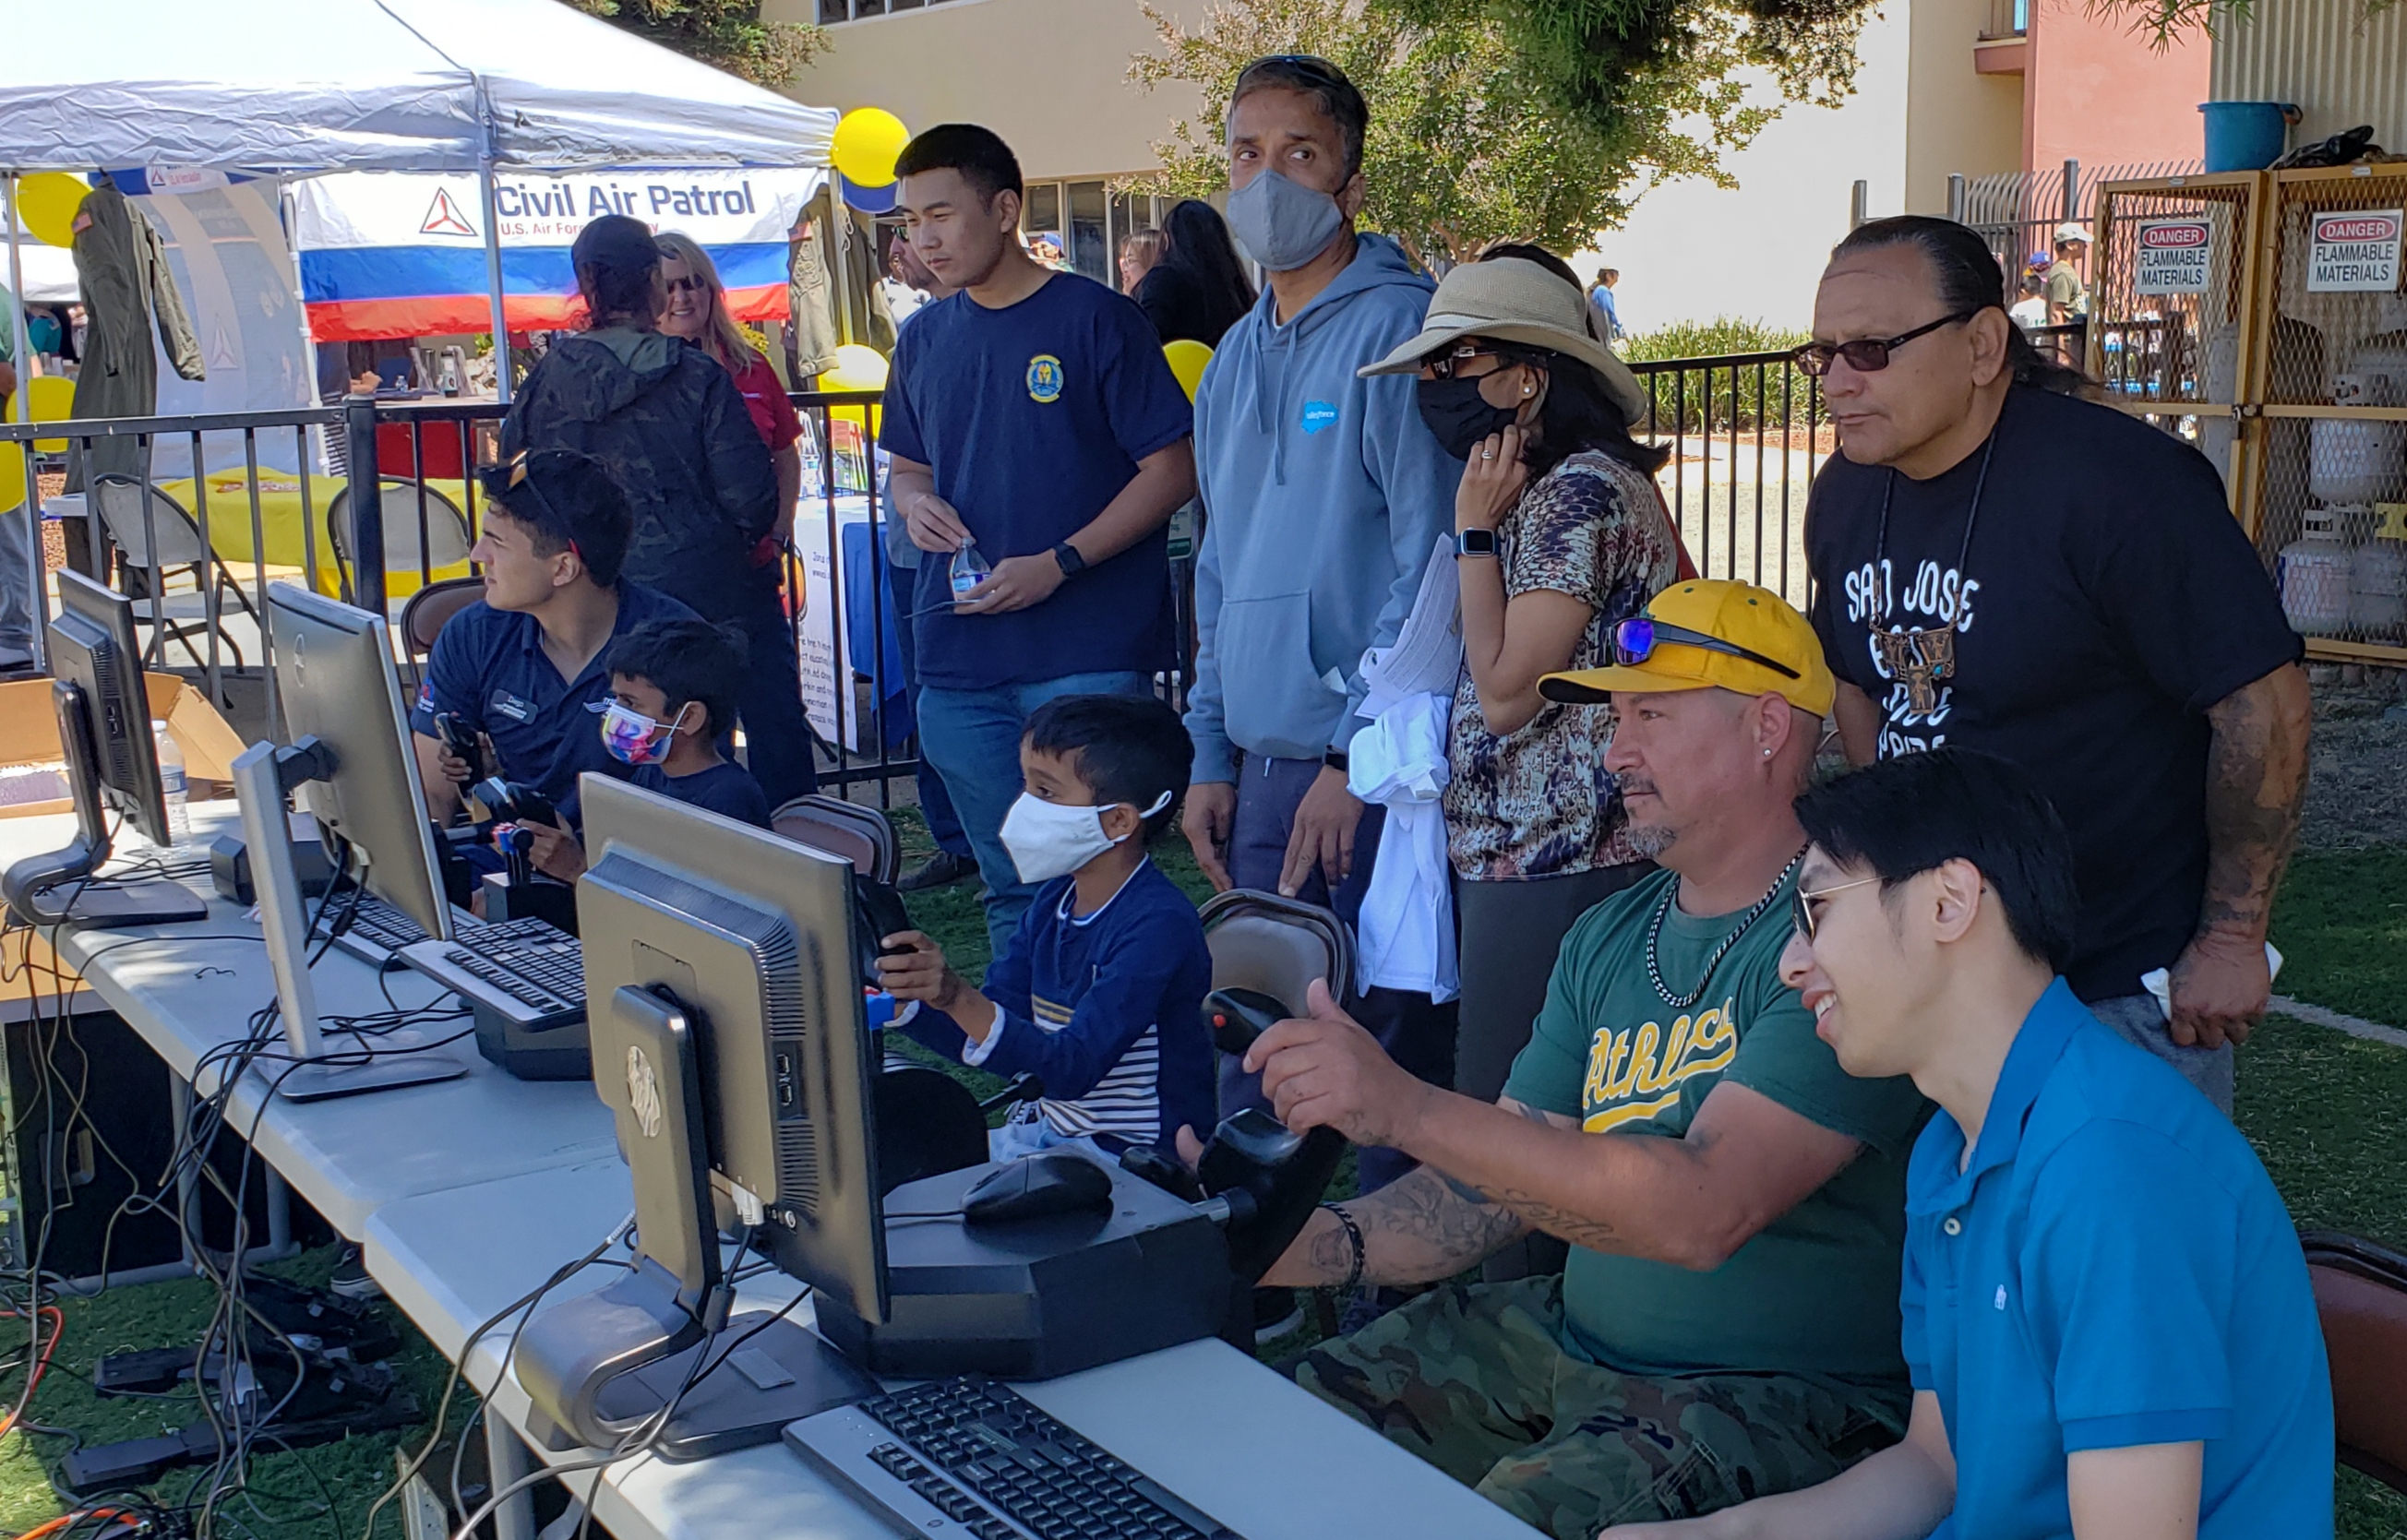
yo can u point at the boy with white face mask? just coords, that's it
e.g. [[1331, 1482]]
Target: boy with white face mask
[[1100, 990]]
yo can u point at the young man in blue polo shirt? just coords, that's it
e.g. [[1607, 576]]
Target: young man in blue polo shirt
[[1031, 415], [2106, 1314], [521, 666]]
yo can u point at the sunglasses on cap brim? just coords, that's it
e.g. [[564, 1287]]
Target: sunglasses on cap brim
[[1634, 641], [510, 480]]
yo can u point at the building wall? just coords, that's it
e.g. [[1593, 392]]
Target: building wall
[[2341, 66], [1049, 76], [1692, 251], [2101, 92], [1956, 119]]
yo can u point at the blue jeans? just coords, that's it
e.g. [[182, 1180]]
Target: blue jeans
[[973, 738], [935, 803]]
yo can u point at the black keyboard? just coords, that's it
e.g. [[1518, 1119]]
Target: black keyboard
[[377, 931], [529, 972], [984, 1458]]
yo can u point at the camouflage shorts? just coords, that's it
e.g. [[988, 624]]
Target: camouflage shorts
[[1473, 1380]]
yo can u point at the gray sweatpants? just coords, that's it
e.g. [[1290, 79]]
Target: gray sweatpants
[[2142, 1021]]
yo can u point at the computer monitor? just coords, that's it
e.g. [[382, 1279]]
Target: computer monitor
[[335, 676], [731, 1043], [112, 765]]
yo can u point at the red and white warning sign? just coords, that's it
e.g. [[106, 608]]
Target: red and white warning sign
[[2355, 252], [2172, 256]]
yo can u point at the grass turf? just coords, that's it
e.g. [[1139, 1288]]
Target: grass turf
[[2326, 1112]]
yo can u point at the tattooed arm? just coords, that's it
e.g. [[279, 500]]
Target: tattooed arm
[[2255, 779], [1419, 1228], [1744, 1161]]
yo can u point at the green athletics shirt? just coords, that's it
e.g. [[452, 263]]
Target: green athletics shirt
[[1815, 1293]]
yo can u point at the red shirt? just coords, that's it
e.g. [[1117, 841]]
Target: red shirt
[[765, 397]]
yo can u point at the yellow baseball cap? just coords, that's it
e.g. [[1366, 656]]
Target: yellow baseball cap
[[1708, 633]]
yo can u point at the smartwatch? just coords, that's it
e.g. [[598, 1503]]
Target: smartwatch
[[1072, 562], [1335, 759], [1474, 543]]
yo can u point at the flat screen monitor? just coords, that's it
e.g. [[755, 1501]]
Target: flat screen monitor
[[749, 936], [334, 674], [95, 648]]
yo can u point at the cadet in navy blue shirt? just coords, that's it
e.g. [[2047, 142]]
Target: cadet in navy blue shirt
[[1034, 414], [674, 691], [1100, 990], [2107, 1317], [521, 666]]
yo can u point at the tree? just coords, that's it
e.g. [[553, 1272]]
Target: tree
[[1467, 146], [729, 33]]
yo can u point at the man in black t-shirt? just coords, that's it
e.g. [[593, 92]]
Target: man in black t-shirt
[[2002, 565]]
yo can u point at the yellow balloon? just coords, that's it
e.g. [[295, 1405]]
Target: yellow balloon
[[54, 402], [47, 205], [857, 368], [12, 460], [867, 140], [1187, 358]]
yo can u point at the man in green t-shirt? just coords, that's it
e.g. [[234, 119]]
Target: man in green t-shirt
[[1728, 1325]]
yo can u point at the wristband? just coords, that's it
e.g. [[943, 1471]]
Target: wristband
[[1335, 759], [1353, 1234]]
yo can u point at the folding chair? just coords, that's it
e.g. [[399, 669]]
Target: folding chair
[[427, 611], [180, 551], [858, 834], [2362, 1294], [448, 540]]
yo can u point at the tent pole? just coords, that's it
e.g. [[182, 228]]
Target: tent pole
[[37, 601], [493, 274]]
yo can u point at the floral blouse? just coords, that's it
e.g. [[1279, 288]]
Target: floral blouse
[[1539, 802]]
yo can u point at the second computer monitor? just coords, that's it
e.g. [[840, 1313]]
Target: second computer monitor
[[334, 674], [750, 936], [94, 647]]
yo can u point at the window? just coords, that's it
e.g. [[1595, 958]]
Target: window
[[1088, 222], [1090, 250], [833, 12]]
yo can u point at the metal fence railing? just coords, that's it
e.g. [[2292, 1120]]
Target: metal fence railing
[[250, 499]]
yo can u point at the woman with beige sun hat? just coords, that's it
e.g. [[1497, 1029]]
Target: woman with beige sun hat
[[1559, 534]]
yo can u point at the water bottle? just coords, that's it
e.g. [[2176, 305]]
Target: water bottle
[[969, 570], [172, 785]]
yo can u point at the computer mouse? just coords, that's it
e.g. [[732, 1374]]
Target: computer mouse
[[1037, 1187]]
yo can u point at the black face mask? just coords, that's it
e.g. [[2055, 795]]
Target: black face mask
[[1461, 416]]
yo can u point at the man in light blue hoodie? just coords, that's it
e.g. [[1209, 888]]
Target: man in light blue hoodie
[[1324, 494]]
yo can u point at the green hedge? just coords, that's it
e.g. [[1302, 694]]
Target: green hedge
[[1718, 397]]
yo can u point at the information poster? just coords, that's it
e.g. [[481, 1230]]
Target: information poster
[[2173, 257]]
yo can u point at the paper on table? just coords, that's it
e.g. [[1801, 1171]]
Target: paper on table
[[2159, 982], [1427, 654]]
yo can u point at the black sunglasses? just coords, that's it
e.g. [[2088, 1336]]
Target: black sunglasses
[[1868, 354], [1634, 641], [688, 284]]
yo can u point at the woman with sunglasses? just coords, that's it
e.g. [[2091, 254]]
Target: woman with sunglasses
[[697, 311], [1559, 534]]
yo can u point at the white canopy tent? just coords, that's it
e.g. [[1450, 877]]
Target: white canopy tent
[[296, 87]]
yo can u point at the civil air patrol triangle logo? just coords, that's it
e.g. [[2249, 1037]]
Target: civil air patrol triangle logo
[[444, 218]]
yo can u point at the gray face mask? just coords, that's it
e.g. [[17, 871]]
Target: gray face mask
[[1282, 224]]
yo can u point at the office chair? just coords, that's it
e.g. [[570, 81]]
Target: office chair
[[180, 551], [2361, 1296], [448, 540]]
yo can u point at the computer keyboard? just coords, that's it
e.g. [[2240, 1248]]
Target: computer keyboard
[[978, 1457], [531, 973], [377, 931]]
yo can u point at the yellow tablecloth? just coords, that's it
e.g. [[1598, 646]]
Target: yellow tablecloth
[[280, 523]]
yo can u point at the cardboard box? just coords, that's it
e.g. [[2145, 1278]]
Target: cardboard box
[[29, 733]]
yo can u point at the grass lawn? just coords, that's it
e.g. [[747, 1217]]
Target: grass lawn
[[2327, 1113]]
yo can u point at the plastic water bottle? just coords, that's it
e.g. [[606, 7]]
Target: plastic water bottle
[[173, 786], [969, 570]]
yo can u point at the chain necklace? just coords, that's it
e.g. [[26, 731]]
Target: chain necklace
[[1655, 937], [1922, 658]]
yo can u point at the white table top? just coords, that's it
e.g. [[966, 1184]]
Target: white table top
[[187, 988], [1223, 1431]]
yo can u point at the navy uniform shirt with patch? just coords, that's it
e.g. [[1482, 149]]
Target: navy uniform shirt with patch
[[726, 788], [2105, 600], [1032, 419], [2112, 1268], [490, 669]]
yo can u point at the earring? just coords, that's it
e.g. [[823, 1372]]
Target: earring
[[1767, 753]]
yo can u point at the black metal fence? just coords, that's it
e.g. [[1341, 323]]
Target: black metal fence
[[1746, 433]]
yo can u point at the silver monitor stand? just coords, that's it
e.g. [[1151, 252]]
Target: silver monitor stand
[[332, 1064]]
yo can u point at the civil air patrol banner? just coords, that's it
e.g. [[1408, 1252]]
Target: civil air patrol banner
[[402, 254]]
